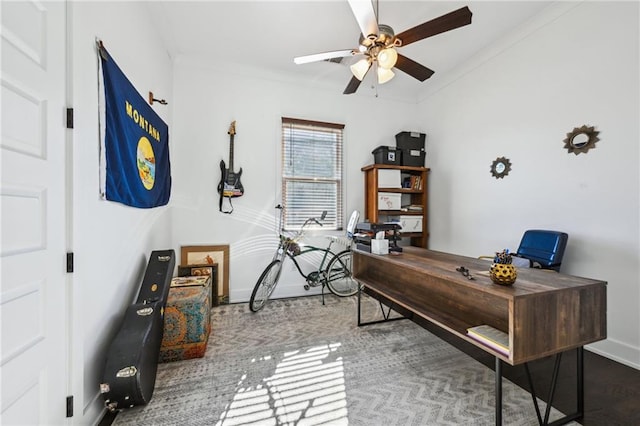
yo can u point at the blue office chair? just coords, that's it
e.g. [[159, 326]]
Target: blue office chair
[[544, 249]]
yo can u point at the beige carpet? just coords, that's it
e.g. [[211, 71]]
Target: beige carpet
[[298, 362]]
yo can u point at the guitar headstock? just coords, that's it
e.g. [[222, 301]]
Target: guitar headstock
[[232, 128]]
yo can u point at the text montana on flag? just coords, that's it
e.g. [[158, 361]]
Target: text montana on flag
[[140, 120]]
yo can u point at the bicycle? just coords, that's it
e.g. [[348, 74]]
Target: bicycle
[[336, 275]]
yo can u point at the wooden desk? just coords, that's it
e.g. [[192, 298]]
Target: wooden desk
[[544, 313]]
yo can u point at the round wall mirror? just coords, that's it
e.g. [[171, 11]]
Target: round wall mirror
[[500, 167], [581, 139]]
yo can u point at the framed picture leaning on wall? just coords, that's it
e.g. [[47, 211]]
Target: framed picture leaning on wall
[[200, 256]]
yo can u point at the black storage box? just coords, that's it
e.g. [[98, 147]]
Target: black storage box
[[412, 146], [410, 140], [413, 157], [387, 155]]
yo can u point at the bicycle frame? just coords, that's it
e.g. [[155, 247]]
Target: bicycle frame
[[289, 246], [308, 249]]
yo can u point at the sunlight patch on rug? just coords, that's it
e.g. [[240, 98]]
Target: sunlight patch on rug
[[306, 388]]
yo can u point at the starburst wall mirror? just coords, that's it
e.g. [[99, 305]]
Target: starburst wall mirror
[[500, 167], [581, 139]]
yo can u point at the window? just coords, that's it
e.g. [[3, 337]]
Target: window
[[311, 172]]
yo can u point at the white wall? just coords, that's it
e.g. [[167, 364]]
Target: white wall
[[207, 98], [112, 242], [578, 66]]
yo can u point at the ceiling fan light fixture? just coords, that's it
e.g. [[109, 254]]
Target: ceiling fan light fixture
[[360, 68], [384, 75], [387, 58]]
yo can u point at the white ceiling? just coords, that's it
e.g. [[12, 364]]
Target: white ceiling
[[267, 35]]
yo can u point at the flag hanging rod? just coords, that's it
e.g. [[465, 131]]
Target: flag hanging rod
[[152, 100]]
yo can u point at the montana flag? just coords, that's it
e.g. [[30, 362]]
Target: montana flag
[[134, 157]]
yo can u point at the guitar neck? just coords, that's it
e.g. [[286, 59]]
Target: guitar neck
[[231, 152]]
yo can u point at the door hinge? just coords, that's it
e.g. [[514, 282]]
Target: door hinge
[[70, 406], [69, 118], [70, 262]]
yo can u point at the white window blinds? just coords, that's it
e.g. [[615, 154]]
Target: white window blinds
[[311, 172]]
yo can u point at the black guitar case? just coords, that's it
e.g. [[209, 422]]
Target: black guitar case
[[132, 359], [157, 276]]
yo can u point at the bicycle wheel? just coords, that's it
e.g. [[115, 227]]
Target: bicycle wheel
[[265, 285], [339, 278]]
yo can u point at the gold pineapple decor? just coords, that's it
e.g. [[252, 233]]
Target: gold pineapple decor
[[502, 271]]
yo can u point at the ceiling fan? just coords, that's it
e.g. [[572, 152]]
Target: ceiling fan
[[378, 44]]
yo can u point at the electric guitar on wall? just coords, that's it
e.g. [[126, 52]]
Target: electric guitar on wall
[[230, 185]]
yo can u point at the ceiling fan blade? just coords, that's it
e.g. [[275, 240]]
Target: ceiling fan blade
[[456, 19], [413, 68], [352, 86], [366, 17], [323, 56], [354, 83]]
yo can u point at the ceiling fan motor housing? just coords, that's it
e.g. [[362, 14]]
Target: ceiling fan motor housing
[[385, 38]]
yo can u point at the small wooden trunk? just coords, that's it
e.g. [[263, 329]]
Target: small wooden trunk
[[187, 323]]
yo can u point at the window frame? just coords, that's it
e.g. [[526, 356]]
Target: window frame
[[324, 128]]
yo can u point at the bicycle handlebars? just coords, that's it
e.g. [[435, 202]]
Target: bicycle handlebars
[[322, 217], [311, 219]]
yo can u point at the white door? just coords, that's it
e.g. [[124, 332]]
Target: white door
[[33, 299]]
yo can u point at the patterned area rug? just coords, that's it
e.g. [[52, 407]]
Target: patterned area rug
[[299, 362]]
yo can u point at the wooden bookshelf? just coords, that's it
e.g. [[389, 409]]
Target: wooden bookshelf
[[416, 196]]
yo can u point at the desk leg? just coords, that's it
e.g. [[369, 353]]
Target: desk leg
[[498, 392], [385, 315], [580, 380], [554, 379], [359, 297]]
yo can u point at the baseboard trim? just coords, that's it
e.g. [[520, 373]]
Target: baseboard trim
[[617, 351], [282, 291]]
